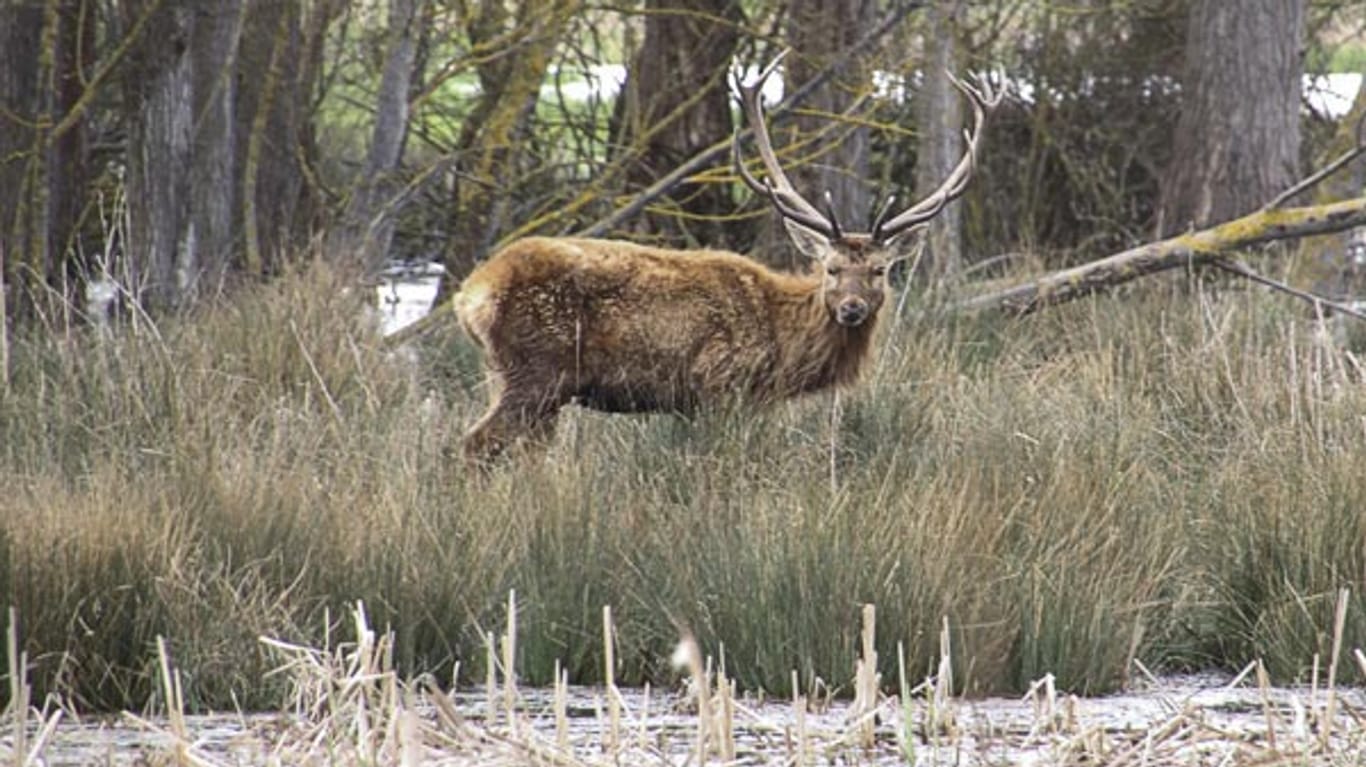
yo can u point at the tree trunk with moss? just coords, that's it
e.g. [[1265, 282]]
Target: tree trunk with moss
[[273, 142], [213, 160], [45, 50], [158, 87], [1195, 249], [823, 153], [366, 229], [819, 31], [491, 147], [214, 95]]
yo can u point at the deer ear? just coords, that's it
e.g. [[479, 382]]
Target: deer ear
[[810, 242], [903, 245]]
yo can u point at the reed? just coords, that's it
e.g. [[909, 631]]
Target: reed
[[349, 705]]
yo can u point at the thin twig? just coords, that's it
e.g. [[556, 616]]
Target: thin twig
[[1243, 270], [1324, 172], [317, 375], [4, 327]]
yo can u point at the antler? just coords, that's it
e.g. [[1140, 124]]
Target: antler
[[776, 187], [983, 101]]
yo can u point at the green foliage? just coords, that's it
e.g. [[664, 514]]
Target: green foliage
[[1172, 477], [1348, 57]]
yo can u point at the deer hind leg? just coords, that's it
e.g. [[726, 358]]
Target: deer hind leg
[[514, 417]]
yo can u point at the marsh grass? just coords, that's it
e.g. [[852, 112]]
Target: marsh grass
[[1169, 476]]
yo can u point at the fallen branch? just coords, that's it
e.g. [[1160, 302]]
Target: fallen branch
[[1205, 247]]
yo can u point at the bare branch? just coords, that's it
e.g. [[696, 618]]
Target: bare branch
[[1327, 170], [1319, 302]]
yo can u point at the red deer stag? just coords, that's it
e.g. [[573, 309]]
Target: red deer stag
[[620, 327]]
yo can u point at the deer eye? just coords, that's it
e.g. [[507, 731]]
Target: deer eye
[[832, 270], [878, 271]]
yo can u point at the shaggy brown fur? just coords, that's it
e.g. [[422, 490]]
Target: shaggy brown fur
[[620, 327]]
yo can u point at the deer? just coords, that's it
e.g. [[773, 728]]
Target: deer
[[620, 327]]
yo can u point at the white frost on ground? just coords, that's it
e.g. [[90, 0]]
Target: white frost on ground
[[1191, 720]]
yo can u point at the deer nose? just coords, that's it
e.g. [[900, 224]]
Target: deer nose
[[851, 312]]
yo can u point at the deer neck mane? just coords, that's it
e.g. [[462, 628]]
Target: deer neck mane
[[819, 352]]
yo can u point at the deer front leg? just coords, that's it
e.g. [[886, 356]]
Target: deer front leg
[[512, 418]]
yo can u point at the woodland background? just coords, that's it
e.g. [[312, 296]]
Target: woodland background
[[184, 147]]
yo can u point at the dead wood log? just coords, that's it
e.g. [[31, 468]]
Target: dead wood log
[[1206, 247]]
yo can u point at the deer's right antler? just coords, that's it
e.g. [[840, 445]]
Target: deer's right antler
[[776, 187], [983, 101]]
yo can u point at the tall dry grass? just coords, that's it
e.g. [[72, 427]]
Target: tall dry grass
[[1175, 478]]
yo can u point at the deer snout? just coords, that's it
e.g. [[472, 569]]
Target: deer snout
[[851, 312]]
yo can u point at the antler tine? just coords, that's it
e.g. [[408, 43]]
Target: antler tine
[[776, 187], [882, 212], [983, 100], [829, 202]]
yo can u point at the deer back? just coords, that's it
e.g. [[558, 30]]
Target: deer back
[[629, 327]]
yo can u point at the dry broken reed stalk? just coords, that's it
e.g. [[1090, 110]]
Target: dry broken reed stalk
[[613, 739], [30, 730], [867, 681], [799, 754], [19, 691], [561, 708], [175, 733], [1329, 709], [725, 711], [509, 644]]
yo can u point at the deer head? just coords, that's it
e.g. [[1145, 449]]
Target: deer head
[[854, 264]]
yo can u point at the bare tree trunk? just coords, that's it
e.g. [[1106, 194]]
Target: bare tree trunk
[[1237, 142], [939, 118], [677, 103], [818, 31], [366, 230], [159, 100], [213, 199], [20, 104], [215, 108]]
